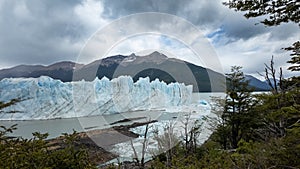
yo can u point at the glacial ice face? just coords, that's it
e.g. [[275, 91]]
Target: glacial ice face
[[46, 98]]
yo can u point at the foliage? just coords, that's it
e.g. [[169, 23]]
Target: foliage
[[266, 126], [274, 11], [38, 153], [268, 136], [291, 83], [263, 150], [295, 60], [238, 103], [278, 112], [10, 103]]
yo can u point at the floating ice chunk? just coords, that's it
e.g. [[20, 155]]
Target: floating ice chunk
[[203, 102]]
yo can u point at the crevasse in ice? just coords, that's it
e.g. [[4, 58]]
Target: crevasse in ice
[[46, 98]]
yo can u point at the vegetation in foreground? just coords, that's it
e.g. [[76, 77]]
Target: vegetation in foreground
[[38, 153], [254, 131]]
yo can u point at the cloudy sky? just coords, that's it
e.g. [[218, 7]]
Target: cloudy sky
[[48, 31]]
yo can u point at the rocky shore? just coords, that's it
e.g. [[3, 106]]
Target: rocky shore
[[99, 142]]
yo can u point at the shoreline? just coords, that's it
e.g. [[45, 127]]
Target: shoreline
[[98, 142]]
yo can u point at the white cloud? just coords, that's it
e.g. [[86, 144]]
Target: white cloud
[[89, 12], [147, 43], [252, 53]]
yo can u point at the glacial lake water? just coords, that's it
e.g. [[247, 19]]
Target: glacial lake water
[[55, 127]]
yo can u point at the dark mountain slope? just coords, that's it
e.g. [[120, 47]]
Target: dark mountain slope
[[154, 65]]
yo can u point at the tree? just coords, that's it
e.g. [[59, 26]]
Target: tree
[[166, 141], [271, 79], [141, 163], [280, 108], [295, 60], [192, 130], [238, 103], [293, 82], [274, 11], [279, 112]]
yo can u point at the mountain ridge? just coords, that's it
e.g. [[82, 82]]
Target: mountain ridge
[[154, 65]]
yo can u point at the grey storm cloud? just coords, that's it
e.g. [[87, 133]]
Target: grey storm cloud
[[47, 31], [204, 14], [198, 12], [114, 9], [241, 28], [285, 31], [37, 31]]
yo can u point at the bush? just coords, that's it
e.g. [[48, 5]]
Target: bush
[[38, 153]]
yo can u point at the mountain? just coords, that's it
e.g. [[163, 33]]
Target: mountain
[[154, 65], [257, 84], [272, 81], [61, 70]]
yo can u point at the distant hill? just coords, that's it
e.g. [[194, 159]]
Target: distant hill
[[61, 70], [257, 84], [154, 65]]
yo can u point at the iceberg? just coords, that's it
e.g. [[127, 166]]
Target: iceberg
[[47, 98]]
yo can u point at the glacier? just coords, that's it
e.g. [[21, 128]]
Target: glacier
[[47, 98]]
